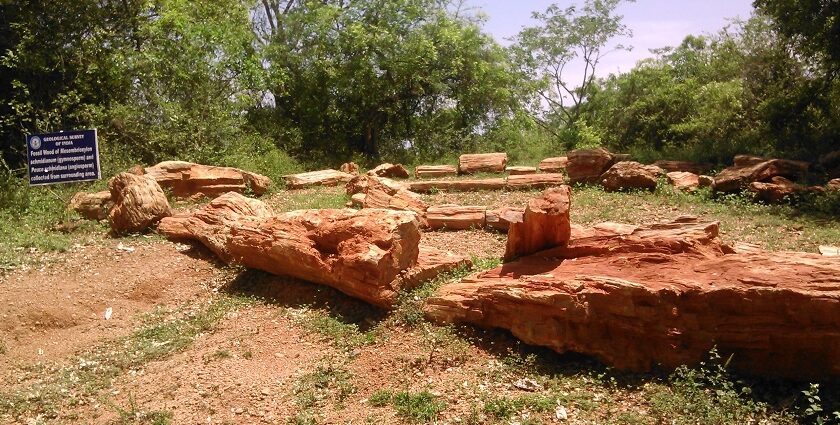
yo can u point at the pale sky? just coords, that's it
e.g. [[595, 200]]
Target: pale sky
[[655, 23]]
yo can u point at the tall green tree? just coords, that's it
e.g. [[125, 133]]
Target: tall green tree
[[58, 65], [382, 77], [564, 41]]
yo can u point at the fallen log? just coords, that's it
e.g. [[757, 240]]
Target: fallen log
[[553, 165], [520, 170], [428, 171], [186, 179], [456, 185], [139, 203], [92, 206], [534, 181], [455, 217], [482, 162], [316, 178]]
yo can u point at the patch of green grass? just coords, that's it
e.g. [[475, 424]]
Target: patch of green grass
[[311, 198], [341, 333], [94, 370], [422, 407], [381, 398], [504, 408]]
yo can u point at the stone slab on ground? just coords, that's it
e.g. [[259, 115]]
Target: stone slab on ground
[[662, 296]]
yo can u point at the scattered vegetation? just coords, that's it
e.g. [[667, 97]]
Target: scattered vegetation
[[341, 333], [329, 382], [422, 407], [134, 415]]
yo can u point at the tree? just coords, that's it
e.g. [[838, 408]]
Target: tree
[[813, 26], [381, 78], [566, 38]]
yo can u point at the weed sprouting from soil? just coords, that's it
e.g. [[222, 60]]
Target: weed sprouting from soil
[[329, 382], [134, 415], [422, 407]]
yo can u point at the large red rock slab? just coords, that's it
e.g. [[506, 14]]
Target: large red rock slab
[[777, 190], [456, 217], [553, 165], [587, 165], [482, 162], [545, 224], [648, 299], [434, 171], [684, 181], [139, 203], [456, 185], [359, 184], [186, 179], [738, 177], [683, 166], [361, 253], [92, 206], [389, 170], [317, 178], [833, 184], [534, 181], [630, 175]]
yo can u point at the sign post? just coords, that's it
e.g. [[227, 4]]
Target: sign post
[[65, 157]]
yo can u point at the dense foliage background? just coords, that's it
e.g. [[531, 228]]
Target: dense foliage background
[[275, 85]]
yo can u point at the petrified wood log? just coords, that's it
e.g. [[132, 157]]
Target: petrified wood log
[[317, 178], [662, 295], [587, 165], [186, 179], [482, 162], [554, 165], [431, 171], [545, 224], [630, 175], [139, 203], [456, 185], [92, 206], [360, 253], [534, 181], [738, 177], [455, 217], [518, 170], [683, 180], [389, 170], [683, 166], [349, 168]]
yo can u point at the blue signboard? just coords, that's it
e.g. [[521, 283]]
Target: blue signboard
[[69, 156]]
